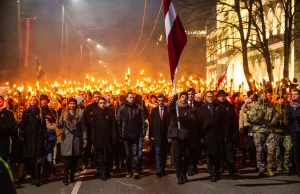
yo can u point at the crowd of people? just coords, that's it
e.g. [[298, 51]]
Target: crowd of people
[[190, 126]]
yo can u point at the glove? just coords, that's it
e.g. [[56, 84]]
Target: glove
[[280, 116], [202, 141]]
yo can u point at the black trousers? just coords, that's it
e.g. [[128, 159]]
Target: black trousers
[[118, 154], [131, 150], [104, 160], [70, 164], [229, 156], [34, 165], [87, 153], [181, 156], [296, 150], [213, 164]]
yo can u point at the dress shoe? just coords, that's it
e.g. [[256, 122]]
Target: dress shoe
[[38, 184], [104, 178], [72, 180], [66, 182], [158, 174], [163, 173], [185, 180], [180, 181], [191, 173], [213, 179]]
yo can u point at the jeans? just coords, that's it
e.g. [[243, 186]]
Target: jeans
[[140, 155], [160, 157], [131, 150], [104, 160], [49, 157], [296, 149]]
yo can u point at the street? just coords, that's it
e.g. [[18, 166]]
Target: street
[[246, 182]]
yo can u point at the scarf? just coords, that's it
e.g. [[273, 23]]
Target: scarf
[[295, 104], [34, 109], [211, 107], [180, 104]]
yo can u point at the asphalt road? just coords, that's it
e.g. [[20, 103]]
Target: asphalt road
[[246, 182]]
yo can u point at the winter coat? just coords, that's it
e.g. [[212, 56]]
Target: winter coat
[[51, 139], [264, 118], [158, 128], [46, 111], [293, 117], [243, 120], [131, 121], [7, 128], [34, 132], [74, 132], [246, 140], [88, 118], [212, 127], [231, 125], [282, 124], [186, 118], [104, 129]]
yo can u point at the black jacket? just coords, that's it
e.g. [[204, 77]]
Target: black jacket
[[7, 128], [104, 130], [33, 131], [212, 127], [46, 111], [186, 118], [158, 128], [88, 118], [293, 117], [131, 121], [231, 125]]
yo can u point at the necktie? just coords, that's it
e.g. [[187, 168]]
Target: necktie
[[161, 113]]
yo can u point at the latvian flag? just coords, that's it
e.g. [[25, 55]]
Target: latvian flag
[[175, 36]]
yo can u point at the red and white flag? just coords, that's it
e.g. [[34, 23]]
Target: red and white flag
[[27, 27], [222, 77], [175, 36]]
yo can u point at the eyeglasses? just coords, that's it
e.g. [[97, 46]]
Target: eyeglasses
[[209, 96]]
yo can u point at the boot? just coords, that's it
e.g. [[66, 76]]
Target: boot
[[184, 178], [279, 169], [261, 173], [286, 167], [37, 174], [270, 172]]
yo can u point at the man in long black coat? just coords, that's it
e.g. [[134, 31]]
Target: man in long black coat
[[7, 126], [210, 120], [181, 147], [88, 118], [104, 134], [158, 128], [196, 150]]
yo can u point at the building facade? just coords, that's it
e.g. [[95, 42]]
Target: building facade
[[224, 45]]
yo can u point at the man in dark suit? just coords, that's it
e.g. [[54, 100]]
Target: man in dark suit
[[210, 119], [196, 150], [158, 128]]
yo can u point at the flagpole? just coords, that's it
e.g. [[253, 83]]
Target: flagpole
[[177, 109]]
